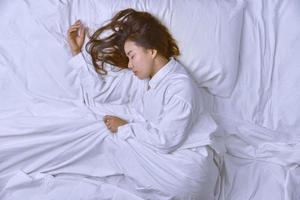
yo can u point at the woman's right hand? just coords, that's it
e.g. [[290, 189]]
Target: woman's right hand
[[76, 36]]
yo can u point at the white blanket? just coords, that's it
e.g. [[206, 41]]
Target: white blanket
[[262, 118], [55, 146]]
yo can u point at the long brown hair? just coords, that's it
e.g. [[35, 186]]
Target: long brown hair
[[106, 45]]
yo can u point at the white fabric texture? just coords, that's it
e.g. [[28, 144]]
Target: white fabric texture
[[261, 118], [51, 132], [55, 145], [207, 28]]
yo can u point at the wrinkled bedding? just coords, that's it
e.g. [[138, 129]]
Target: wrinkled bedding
[[50, 139]]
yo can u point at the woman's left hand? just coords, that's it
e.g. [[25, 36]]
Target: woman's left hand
[[76, 36], [113, 123]]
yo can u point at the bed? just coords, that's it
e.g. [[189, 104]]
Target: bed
[[244, 54]]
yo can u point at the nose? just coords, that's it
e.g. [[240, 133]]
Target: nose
[[130, 66]]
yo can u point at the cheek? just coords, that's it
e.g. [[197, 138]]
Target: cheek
[[148, 64], [139, 62], [143, 64]]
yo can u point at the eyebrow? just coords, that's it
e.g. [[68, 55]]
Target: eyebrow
[[129, 52]]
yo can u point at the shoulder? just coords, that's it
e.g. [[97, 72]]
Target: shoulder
[[180, 83]]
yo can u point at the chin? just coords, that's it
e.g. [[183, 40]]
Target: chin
[[139, 77]]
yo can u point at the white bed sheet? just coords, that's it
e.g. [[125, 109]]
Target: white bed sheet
[[54, 146], [261, 118]]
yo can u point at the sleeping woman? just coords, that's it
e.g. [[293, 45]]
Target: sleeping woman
[[164, 148]]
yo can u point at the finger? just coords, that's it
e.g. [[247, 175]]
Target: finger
[[82, 31], [76, 23], [109, 117], [105, 118], [107, 124], [113, 131], [74, 28], [113, 117], [110, 129], [71, 30]]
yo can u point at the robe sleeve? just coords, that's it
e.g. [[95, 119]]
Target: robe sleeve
[[115, 87], [167, 134]]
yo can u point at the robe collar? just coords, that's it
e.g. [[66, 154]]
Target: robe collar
[[162, 73]]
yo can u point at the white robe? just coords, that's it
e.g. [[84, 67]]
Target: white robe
[[165, 140]]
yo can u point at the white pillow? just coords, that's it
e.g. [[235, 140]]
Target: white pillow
[[208, 32]]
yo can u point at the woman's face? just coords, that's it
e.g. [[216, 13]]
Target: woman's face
[[141, 60]]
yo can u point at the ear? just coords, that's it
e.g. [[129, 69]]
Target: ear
[[153, 53]]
